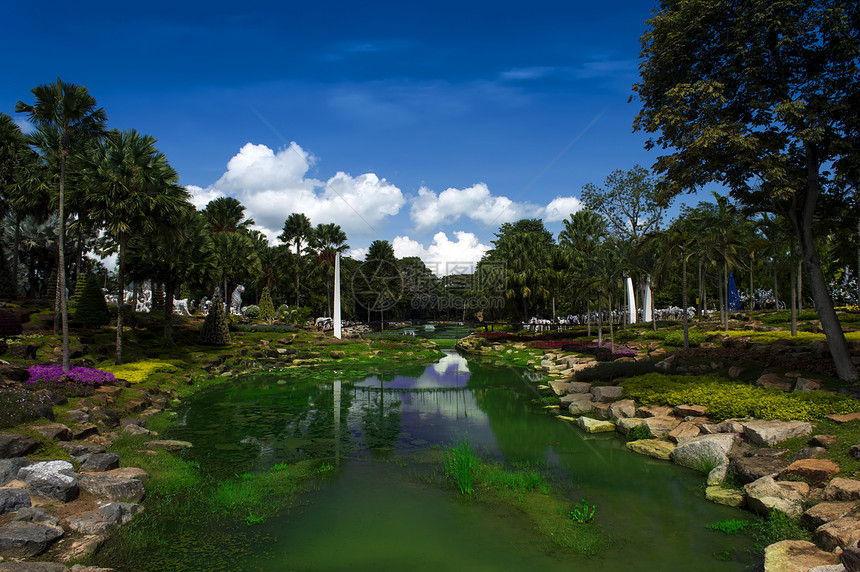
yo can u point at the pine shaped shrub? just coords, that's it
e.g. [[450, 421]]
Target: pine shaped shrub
[[215, 331], [92, 309], [267, 308]]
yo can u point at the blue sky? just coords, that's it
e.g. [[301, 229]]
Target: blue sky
[[397, 120]]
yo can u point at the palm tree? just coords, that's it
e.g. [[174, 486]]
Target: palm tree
[[579, 242], [224, 214], [131, 187], [680, 242], [71, 110], [327, 241], [298, 231]]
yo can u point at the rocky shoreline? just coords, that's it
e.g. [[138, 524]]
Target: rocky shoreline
[[744, 449]]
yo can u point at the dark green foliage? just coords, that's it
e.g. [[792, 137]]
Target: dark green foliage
[[79, 287], [92, 308], [776, 528], [730, 526], [638, 433], [267, 308], [158, 300], [608, 371], [215, 330]]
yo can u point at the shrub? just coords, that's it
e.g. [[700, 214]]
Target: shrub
[[140, 371], [91, 308], [19, 406], [726, 399], [252, 311], [267, 309], [77, 382], [215, 331]]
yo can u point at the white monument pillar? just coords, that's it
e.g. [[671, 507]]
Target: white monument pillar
[[631, 302], [646, 304], [337, 331]]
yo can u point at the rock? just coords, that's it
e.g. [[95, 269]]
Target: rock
[[735, 371], [661, 426], [850, 559], [703, 452], [559, 387], [14, 566], [105, 417], [135, 430], [654, 411], [112, 487], [771, 432], [53, 431], [579, 387], [710, 428], [168, 445], [817, 472], [722, 495], [83, 429], [749, 469], [685, 430], [130, 473], [96, 522], [625, 424], [51, 479], [606, 393], [33, 514], [81, 549], [690, 410], [590, 425], [731, 426], [622, 409], [656, 448], [99, 462], [825, 512], [805, 384], [15, 445], [13, 499], [765, 494], [795, 556], [338, 354], [22, 539], [825, 441], [808, 453], [9, 468], [580, 405], [79, 450], [775, 381], [840, 533], [840, 489], [845, 417], [718, 475], [600, 410]]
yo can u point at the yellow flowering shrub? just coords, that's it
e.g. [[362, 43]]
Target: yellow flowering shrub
[[770, 337], [726, 399], [139, 371]]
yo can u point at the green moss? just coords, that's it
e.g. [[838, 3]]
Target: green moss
[[726, 399]]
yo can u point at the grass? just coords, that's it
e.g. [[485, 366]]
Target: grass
[[730, 526], [461, 465]]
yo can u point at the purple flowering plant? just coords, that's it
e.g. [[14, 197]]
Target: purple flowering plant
[[77, 382]]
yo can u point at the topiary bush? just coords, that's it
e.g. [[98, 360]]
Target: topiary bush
[[267, 308], [252, 312], [157, 300], [92, 309], [215, 330]]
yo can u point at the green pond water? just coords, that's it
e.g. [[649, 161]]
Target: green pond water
[[374, 511]]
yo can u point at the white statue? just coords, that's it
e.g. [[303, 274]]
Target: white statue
[[236, 300]]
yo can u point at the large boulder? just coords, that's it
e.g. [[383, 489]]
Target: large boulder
[[607, 392], [112, 487], [51, 479], [796, 556], [13, 499], [625, 424], [53, 431], [9, 468], [654, 411], [104, 520], [15, 445], [840, 489], [825, 512], [749, 469], [817, 472], [661, 426], [168, 444], [656, 448], [582, 403], [690, 410], [99, 462], [703, 452], [590, 425], [840, 533], [726, 496], [21, 539], [579, 387], [685, 430], [771, 432], [622, 408], [559, 387], [766, 494]]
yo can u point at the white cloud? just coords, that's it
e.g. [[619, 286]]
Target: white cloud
[[560, 208], [444, 256], [24, 125], [271, 185]]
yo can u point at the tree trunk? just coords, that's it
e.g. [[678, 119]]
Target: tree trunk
[[726, 284], [169, 288], [793, 291], [800, 285], [588, 313], [611, 322], [720, 288], [61, 265], [801, 218], [599, 319], [752, 288], [120, 278], [684, 299], [775, 290], [298, 268], [15, 253]]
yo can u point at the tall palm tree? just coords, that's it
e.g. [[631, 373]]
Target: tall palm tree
[[579, 242], [680, 242], [327, 241], [224, 214], [71, 110], [131, 187], [297, 231]]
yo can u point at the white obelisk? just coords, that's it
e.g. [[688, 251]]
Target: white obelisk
[[646, 305], [631, 302], [337, 332]]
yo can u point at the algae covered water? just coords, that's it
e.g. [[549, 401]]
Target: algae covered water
[[374, 507]]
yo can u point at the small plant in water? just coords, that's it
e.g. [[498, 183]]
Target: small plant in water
[[461, 464], [730, 526], [325, 468], [246, 476], [582, 514], [638, 433], [253, 519], [280, 467]]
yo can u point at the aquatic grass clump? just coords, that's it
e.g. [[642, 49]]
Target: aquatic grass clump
[[461, 464], [582, 514], [730, 526], [77, 382], [520, 480], [261, 494]]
